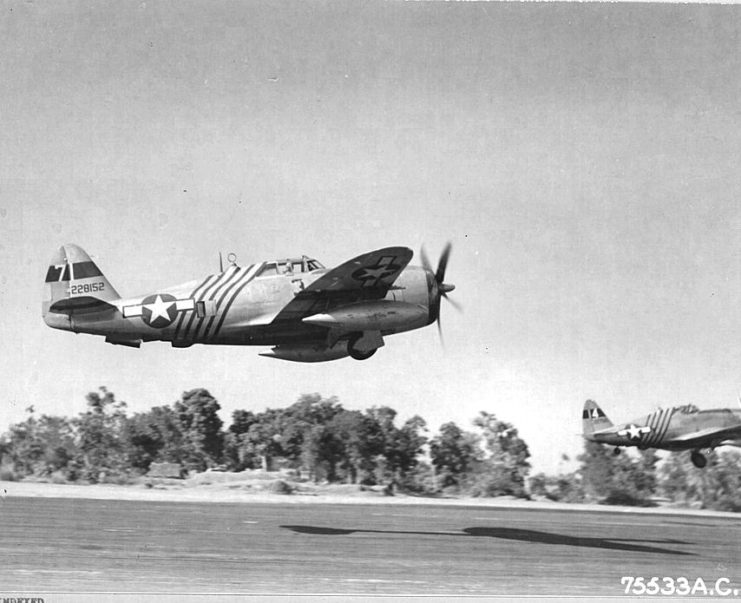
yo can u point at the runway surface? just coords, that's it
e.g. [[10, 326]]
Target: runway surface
[[84, 546]]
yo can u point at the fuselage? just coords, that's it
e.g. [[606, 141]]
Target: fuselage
[[253, 305], [678, 428]]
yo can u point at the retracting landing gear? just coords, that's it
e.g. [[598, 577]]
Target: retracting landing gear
[[362, 346], [616, 451], [698, 459], [358, 355]]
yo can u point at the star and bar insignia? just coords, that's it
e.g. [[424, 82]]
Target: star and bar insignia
[[634, 432], [371, 276], [159, 310]]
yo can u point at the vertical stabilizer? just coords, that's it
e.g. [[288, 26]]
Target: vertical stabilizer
[[593, 419], [74, 285]]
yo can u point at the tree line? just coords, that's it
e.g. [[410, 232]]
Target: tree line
[[322, 441], [315, 436], [642, 479]]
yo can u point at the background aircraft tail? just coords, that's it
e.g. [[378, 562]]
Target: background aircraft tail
[[74, 285], [593, 419]]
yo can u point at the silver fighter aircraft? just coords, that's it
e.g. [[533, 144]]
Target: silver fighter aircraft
[[305, 311], [678, 428]]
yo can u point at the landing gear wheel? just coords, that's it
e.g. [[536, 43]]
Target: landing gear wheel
[[616, 451], [357, 354], [698, 459]]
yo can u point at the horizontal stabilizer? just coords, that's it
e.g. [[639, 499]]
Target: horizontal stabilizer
[[81, 305]]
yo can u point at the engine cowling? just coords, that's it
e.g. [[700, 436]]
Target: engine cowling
[[308, 352]]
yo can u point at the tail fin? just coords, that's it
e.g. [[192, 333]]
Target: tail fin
[[74, 284], [593, 419]]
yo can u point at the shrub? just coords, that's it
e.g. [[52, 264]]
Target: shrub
[[280, 487], [621, 497], [8, 475]]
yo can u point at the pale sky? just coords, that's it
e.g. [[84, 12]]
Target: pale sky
[[583, 160]]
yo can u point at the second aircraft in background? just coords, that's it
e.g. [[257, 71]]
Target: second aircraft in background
[[678, 428]]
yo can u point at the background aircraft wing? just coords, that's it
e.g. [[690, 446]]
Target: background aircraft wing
[[708, 434], [366, 277]]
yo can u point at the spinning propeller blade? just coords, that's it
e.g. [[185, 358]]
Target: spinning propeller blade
[[439, 286]]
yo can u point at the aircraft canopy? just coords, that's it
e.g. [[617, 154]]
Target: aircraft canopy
[[290, 266]]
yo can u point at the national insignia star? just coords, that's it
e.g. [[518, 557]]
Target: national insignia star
[[376, 273], [159, 309], [634, 432]]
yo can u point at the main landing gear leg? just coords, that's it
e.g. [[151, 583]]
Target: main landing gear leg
[[616, 451]]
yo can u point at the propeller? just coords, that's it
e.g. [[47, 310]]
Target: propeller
[[438, 287]]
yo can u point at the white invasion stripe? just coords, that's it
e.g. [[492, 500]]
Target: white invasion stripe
[[660, 418], [665, 426], [247, 277], [660, 427], [229, 276], [224, 308], [199, 295], [652, 423]]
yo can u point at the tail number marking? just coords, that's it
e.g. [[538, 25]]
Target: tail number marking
[[86, 288]]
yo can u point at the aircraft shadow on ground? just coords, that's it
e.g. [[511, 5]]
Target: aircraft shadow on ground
[[618, 544]]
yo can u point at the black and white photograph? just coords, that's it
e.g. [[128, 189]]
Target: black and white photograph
[[394, 299]]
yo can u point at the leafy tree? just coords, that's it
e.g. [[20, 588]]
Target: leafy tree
[[505, 469], [24, 446], [728, 482], [100, 435], [717, 486], [406, 446], [263, 438], [242, 420], [300, 419], [453, 453], [360, 439], [617, 479], [197, 413], [42, 446], [321, 452], [237, 453], [646, 472], [399, 448], [674, 481], [156, 435], [58, 438]]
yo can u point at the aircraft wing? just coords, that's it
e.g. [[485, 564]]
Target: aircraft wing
[[709, 433], [366, 277], [375, 271]]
